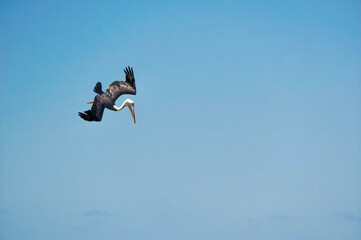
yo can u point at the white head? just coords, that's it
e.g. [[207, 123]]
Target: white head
[[129, 101]]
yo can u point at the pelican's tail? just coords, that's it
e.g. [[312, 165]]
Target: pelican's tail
[[88, 116], [98, 88]]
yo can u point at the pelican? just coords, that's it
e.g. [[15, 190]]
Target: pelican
[[107, 99]]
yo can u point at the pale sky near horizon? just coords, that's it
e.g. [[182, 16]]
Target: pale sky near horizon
[[248, 120]]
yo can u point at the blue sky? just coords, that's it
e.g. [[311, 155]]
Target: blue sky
[[248, 120]]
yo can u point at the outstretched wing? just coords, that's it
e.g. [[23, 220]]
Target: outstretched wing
[[118, 88], [96, 111]]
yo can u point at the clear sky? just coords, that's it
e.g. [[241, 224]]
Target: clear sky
[[248, 120]]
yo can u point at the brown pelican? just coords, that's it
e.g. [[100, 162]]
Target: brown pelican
[[107, 99]]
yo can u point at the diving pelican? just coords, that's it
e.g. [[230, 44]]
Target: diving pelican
[[107, 99]]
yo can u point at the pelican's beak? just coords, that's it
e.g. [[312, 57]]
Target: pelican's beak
[[131, 107]]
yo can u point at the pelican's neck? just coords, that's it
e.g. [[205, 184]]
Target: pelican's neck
[[125, 103]]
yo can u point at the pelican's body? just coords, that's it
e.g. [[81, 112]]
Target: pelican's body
[[107, 99]]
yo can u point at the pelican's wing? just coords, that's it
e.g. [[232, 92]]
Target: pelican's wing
[[118, 88], [96, 111], [98, 88]]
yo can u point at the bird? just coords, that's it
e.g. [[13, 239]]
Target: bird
[[107, 98]]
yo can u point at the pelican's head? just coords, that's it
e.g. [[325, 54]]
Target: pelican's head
[[130, 105]]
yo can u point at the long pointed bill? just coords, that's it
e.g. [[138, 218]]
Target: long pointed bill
[[131, 107]]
